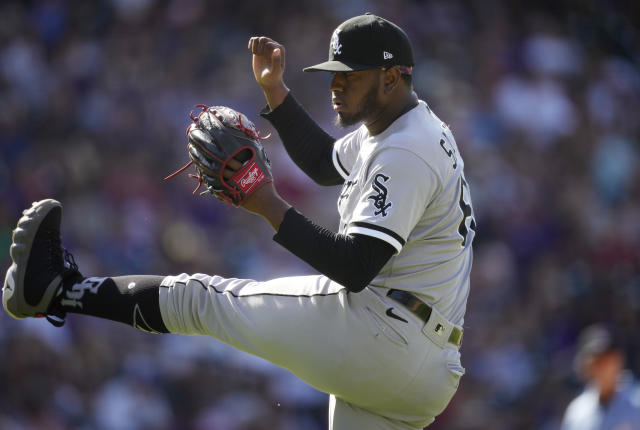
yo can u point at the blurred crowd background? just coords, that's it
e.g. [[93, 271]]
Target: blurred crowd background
[[543, 98]]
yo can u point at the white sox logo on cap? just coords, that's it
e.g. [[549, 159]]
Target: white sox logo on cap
[[335, 43]]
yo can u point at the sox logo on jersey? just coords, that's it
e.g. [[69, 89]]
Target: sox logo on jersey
[[380, 199]]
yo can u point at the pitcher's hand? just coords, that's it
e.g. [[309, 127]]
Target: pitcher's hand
[[268, 64]]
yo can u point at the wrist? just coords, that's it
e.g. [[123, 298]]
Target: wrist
[[267, 203], [274, 213], [275, 94]]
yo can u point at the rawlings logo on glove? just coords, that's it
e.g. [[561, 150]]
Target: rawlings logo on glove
[[217, 136], [253, 176]]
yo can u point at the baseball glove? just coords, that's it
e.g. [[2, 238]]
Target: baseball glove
[[217, 136]]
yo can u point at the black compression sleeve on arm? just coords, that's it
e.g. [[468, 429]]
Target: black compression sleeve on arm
[[351, 260], [308, 145]]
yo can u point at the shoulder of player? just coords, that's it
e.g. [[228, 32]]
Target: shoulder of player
[[397, 154], [428, 138], [420, 131], [402, 162], [420, 144]]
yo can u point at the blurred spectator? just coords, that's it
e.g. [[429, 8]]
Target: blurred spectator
[[611, 399]]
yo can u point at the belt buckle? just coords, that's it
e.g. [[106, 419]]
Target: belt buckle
[[455, 337], [436, 327], [441, 331]]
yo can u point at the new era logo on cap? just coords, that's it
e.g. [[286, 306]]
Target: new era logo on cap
[[387, 55]]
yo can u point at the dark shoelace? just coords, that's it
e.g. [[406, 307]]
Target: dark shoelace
[[60, 261]]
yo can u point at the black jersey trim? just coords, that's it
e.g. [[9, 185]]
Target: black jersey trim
[[384, 230], [338, 165], [341, 165]]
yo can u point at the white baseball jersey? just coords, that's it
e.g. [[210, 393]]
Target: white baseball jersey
[[406, 186]]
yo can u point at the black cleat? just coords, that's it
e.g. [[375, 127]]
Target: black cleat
[[40, 264]]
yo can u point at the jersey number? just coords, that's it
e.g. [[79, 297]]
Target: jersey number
[[467, 213]]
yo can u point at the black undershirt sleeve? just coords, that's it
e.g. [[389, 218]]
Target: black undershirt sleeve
[[308, 145], [350, 260]]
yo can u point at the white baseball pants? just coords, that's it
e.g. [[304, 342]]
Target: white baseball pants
[[381, 373]]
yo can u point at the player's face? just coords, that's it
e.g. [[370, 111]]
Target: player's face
[[355, 96]]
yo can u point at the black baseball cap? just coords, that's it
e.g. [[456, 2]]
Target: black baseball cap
[[366, 42]]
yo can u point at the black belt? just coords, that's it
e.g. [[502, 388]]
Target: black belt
[[422, 311]]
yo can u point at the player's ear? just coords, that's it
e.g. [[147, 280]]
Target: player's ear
[[391, 79]]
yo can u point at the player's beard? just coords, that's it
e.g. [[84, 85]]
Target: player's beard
[[367, 107]]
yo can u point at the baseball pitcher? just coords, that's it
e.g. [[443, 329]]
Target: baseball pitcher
[[380, 327]]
